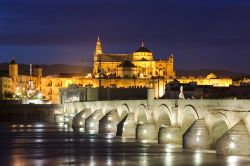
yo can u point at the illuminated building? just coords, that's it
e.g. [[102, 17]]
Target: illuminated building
[[139, 64], [135, 70], [211, 79]]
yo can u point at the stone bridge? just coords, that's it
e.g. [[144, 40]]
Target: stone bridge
[[223, 125]]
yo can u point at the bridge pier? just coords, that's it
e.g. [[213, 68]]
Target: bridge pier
[[170, 135], [108, 124], [236, 141], [146, 131], [197, 136], [79, 119], [127, 126], [59, 119], [92, 122]]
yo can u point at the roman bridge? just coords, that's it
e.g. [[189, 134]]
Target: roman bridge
[[223, 125]]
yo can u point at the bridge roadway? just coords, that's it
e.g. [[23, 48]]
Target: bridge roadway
[[223, 125]]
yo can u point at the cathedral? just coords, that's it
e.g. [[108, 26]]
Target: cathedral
[[135, 70], [139, 64]]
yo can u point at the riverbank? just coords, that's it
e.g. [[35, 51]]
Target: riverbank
[[29, 112]]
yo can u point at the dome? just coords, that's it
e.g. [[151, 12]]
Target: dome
[[126, 64], [143, 49], [211, 76]]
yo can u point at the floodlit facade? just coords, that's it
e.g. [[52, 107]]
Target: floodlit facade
[[211, 80], [135, 70], [139, 64]]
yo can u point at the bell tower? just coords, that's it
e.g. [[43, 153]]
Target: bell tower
[[98, 49], [170, 66], [13, 69], [13, 72], [98, 52]]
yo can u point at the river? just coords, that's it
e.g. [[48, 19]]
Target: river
[[47, 144]]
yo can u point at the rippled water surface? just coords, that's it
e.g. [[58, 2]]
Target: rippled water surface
[[47, 144]]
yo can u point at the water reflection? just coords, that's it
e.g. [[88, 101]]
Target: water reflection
[[46, 144], [197, 157], [169, 159], [232, 160]]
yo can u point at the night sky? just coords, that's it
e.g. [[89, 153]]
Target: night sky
[[212, 34]]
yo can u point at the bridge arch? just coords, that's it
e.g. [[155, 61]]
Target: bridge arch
[[163, 116], [123, 110], [219, 126], [141, 114], [187, 117]]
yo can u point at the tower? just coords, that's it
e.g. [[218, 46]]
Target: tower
[[98, 52], [170, 66], [38, 72], [98, 49], [13, 71]]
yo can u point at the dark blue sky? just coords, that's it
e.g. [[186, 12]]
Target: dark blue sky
[[201, 34]]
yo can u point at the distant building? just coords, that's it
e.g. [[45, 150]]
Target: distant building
[[6, 88], [211, 79], [135, 70], [139, 64]]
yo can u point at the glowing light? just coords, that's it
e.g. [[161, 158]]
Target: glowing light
[[168, 148], [197, 157], [109, 118], [197, 139], [89, 75], [38, 140], [91, 124], [109, 135], [109, 162], [144, 131], [39, 125], [83, 116], [39, 95], [60, 119], [109, 126], [168, 136], [80, 123], [232, 160], [232, 145], [140, 122]]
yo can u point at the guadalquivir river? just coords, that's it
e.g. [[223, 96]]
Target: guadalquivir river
[[46, 144]]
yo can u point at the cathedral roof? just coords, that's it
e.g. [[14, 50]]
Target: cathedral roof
[[127, 64], [114, 57], [143, 49]]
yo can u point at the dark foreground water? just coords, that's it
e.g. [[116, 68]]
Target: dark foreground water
[[46, 144]]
